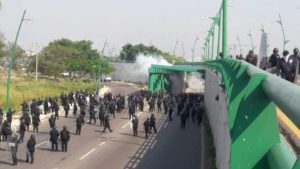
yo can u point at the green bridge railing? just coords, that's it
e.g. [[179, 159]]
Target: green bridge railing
[[252, 97]]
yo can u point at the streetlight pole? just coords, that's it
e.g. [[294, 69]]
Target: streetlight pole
[[176, 43], [193, 50], [183, 52], [251, 39], [99, 73], [14, 51], [285, 42], [36, 61], [240, 46]]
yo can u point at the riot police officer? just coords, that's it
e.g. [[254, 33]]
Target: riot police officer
[[79, 123], [135, 124], [30, 149], [54, 134], [65, 138]]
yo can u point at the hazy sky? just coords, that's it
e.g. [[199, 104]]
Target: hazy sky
[[157, 22]]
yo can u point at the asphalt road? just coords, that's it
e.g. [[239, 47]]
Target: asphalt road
[[170, 148]]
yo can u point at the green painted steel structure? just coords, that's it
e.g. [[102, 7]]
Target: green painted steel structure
[[252, 97]]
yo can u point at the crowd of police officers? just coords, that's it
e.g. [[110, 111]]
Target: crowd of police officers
[[101, 108], [287, 65]]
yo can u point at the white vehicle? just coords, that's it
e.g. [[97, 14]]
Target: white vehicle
[[107, 79]]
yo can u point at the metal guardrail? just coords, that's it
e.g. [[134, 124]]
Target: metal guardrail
[[285, 94]]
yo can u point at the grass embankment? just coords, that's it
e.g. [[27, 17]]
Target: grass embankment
[[26, 88]]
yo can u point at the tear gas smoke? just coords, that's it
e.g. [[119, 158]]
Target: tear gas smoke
[[138, 71]]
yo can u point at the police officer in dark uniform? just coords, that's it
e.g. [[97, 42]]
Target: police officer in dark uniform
[[52, 121], [13, 144], [26, 118], [65, 138], [183, 119], [147, 127], [54, 134], [30, 149], [274, 58], [35, 123], [135, 124], [92, 114], [22, 129], [106, 124], [56, 108], [79, 123], [152, 124]]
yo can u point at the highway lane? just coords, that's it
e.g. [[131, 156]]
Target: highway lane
[[46, 158], [119, 149]]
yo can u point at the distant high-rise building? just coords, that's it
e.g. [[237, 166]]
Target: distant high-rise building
[[263, 51]]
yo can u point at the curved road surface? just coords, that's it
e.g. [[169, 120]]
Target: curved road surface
[[170, 148]]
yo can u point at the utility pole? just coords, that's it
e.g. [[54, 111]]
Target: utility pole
[[285, 41], [183, 52], [36, 61], [12, 57], [174, 51], [251, 39], [193, 50], [100, 73]]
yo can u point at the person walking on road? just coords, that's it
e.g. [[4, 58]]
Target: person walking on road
[[52, 120], [135, 124], [79, 123], [30, 149], [106, 124], [65, 138], [147, 127], [54, 134], [13, 144], [152, 124], [35, 123]]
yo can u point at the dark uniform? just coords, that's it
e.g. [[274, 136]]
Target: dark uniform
[[52, 121], [147, 127], [30, 149], [135, 124], [65, 138], [13, 144], [152, 124], [22, 129], [79, 123], [183, 119], [106, 124], [35, 123], [54, 134]]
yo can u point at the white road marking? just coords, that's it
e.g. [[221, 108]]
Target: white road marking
[[166, 125], [81, 158], [153, 144], [41, 143], [102, 143]]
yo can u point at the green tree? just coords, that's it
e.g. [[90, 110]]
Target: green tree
[[67, 55], [129, 53]]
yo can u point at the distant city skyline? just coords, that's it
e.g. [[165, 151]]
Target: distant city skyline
[[155, 22]]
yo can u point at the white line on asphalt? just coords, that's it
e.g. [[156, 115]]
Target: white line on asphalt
[[102, 143], [81, 158], [153, 144], [41, 143], [125, 125], [166, 125]]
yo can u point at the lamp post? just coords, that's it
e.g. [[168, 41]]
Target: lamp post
[[240, 46], [99, 70], [11, 59], [176, 43], [193, 50], [285, 42], [183, 52], [251, 39]]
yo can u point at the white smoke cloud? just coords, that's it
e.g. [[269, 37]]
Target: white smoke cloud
[[195, 84], [138, 71]]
